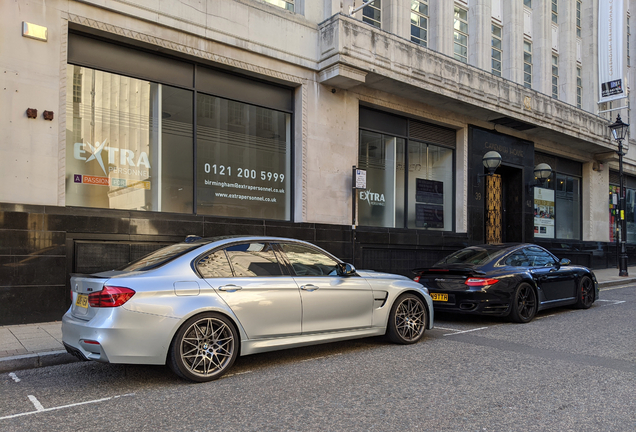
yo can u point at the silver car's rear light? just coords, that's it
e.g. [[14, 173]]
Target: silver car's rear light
[[110, 296]]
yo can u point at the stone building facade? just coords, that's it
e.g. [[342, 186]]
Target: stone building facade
[[220, 117]]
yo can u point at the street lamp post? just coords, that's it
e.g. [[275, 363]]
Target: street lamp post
[[619, 130]]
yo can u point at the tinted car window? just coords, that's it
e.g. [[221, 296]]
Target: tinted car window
[[539, 257], [472, 255], [517, 259], [307, 261], [215, 265], [160, 257], [253, 259]]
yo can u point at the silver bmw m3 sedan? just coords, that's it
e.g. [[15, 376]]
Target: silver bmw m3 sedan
[[198, 304]]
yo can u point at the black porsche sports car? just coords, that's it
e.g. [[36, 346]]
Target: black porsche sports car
[[513, 280]]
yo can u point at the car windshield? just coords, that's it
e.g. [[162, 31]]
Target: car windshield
[[160, 257], [472, 256]]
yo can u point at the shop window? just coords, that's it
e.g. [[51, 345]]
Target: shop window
[[557, 208], [630, 213], [243, 160], [130, 146], [430, 186], [382, 202], [568, 207], [409, 180]]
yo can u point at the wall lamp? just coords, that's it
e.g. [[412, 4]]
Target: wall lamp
[[542, 172], [491, 161]]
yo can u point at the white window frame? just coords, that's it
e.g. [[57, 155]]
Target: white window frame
[[415, 13], [284, 4], [494, 49], [555, 76], [527, 65], [457, 24]]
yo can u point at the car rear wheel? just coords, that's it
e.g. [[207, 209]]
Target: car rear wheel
[[204, 348], [524, 305], [407, 320], [585, 295]]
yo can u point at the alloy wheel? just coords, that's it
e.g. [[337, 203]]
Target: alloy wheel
[[410, 319], [207, 347]]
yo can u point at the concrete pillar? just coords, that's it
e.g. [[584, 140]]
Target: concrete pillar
[[441, 26], [542, 46], [595, 208], [479, 39], [396, 17], [512, 67], [567, 51], [589, 55]]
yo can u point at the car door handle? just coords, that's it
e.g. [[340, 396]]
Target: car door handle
[[230, 288], [309, 287]]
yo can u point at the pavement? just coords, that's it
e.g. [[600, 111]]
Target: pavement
[[28, 346]]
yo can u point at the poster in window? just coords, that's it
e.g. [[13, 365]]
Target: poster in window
[[429, 207], [429, 216], [429, 191], [543, 213]]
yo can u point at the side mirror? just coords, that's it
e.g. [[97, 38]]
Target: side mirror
[[345, 269], [565, 262]]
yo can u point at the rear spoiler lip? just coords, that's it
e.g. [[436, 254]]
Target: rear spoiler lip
[[87, 275], [443, 271]]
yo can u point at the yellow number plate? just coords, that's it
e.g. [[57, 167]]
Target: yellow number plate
[[82, 301], [439, 297]]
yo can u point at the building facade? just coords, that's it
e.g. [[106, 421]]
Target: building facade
[[128, 125]]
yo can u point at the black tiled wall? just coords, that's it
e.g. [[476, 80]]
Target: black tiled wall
[[40, 246]]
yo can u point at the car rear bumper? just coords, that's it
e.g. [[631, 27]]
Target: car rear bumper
[[473, 302], [119, 336]]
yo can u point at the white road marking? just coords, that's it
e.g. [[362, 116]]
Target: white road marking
[[444, 328], [40, 408], [36, 402], [614, 302], [615, 288], [237, 373], [465, 331], [14, 377], [547, 316]]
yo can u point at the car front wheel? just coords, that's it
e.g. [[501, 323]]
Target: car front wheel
[[585, 294], [524, 305], [204, 348], [407, 320]]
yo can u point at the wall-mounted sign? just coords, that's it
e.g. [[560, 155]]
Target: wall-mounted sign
[[34, 31], [360, 180]]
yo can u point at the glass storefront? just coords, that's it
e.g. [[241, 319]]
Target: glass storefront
[[243, 159], [557, 208], [430, 185], [131, 145], [382, 202], [409, 181], [630, 213]]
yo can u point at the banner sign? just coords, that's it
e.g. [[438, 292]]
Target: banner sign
[[611, 50]]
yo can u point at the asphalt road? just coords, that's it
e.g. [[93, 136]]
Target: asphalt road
[[568, 370]]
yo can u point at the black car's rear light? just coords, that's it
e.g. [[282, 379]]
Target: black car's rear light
[[481, 282], [110, 296], [416, 278]]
